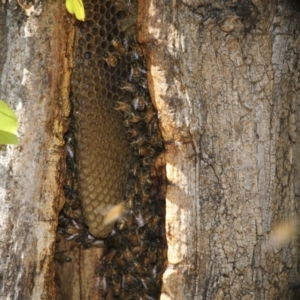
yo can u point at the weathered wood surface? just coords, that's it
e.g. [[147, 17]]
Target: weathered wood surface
[[34, 82], [225, 79]]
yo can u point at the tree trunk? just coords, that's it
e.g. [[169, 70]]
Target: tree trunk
[[224, 77], [34, 66]]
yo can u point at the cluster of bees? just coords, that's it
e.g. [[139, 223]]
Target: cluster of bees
[[135, 251], [133, 265]]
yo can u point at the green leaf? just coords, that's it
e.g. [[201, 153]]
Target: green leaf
[[76, 7], [8, 125]]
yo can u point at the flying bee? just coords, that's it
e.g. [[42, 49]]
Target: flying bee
[[145, 151], [136, 72], [115, 213], [110, 59], [127, 86], [118, 46], [124, 107], [139, 102]]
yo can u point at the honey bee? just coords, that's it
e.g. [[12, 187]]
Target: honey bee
[[127, 86], [120, 262], [114, 214], [102, 285], [137, 250], [145, 199], [133, 237], [152, 126], [146, 162], [138, 267], [155, 220], [135, 165], [143, 83], [156, 140], [136, 72], [133, 132], [150, 286], [128, 280], [138, 142], [133, 118], [130, 201], [151, 256], [145, 151], [132, 188], [73, 230], [144, 178], [117, 287], [70, 151], [125, 222], [139, 102], [149, 115], [124, 107], [128, 255], [109, 256], [110, 59], [137, 52], [139, 219], [118, 46]]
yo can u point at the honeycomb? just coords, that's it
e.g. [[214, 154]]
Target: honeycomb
[[114, 155], [103, 156]]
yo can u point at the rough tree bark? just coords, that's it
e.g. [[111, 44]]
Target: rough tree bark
[[225, 80], [34, 81], [224, 76]]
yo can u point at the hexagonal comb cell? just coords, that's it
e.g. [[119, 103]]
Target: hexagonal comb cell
[[103, 153]]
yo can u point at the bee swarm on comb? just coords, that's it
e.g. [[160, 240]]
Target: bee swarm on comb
[[115, 188]]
